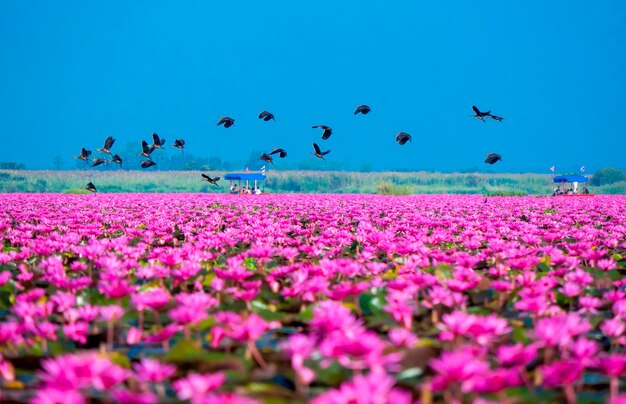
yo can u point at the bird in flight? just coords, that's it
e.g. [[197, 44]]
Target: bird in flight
[[84, 154], [266, 116], [179, 144], [226, 121], [318, 152], [327, 131], [482, 115], [493, 158], [117, 159], [210, 180], [108, 143], [478, 114], [282, 152], [403, 137], [90, 187], [157, 142], [267, 157], [147, 163], [97, 162], [363, 109], [146, 150]]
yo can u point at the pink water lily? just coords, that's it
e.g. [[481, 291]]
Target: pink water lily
[[344, 297]]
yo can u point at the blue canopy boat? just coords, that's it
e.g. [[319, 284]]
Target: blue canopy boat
[[574, 180]]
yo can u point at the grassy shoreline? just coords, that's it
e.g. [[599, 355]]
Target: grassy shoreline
[[392, 183]]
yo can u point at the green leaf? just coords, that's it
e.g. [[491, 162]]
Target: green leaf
[[306, 315], [543, 267], [206, 323], [269, 391], [365, 302], [443, 271], [120, 359], [410, 373], [519, 335]]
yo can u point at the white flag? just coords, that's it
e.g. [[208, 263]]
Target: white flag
[[582, 169], [263, 170]]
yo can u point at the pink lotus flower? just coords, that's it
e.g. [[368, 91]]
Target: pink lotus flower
[[516, 355], [375, 388], [128, 397], [401, 337], [613, 328], [456, 367], [134, 336], [195, 386], [483, 329], [560, 330], [51, 395], [152, 371], [154, 299], [561, 373], [77, 331]]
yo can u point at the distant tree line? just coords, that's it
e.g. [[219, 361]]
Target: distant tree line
[[11, 165]]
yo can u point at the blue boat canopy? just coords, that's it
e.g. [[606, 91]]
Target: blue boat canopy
[[569, 178], [245, 177]]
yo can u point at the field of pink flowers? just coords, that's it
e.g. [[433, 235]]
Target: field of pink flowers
[[331, 299]]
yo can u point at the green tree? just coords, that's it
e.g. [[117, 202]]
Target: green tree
[[607, 176]]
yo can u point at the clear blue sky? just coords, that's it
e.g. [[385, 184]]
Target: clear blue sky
[[72, 73]]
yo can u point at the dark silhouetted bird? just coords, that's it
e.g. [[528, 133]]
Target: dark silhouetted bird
[[211, 180], [84, 154], [478, 114], [226, 121], [493, 158], [146, 150], [363, 109], [327, 131], [90, 187], [282, 152], [267, 157], [266, 116], [403, 137], [108, 143], [318, 152], [97, 162], [179, 144], [157, 142], [117, 159], [147, 163]]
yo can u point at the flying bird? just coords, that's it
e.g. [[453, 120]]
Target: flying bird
[[327, 131], [266, 116], [493, 158], [84, 154], [157, 142], [147, 163], [90, 187], [108, 143], [478, 114], [211, 180], [363, 109], [146, 150], [179, 144], [403, 137], [267, 157], [97, 162], [282, 152], [117, 159], [226, 121], [319, 153]]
